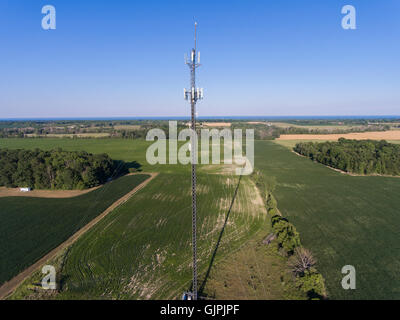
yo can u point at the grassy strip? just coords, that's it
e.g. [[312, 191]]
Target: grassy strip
[[255, 271], [286, 241]]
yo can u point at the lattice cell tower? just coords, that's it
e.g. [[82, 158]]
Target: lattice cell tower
[[193, 95]]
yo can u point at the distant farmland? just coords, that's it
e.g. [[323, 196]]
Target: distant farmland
[[31, 227], [379, 135], [344, 220]]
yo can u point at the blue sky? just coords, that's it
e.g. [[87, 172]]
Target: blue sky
[[125, 58]]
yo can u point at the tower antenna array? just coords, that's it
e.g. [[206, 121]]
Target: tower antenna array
[[193, 95]]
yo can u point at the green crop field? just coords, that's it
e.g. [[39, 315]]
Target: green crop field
[[344, 220], [142, 250], [31, 227]]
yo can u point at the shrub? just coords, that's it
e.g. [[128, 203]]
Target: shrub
[[271, 202], [313, 284], [287, 236], [275, 219], [272, 211]]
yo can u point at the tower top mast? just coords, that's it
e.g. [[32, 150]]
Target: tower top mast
[[195, 35]]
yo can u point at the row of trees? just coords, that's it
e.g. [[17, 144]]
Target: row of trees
[[55, 169], [355, 156], [261, 130], [301, 262]]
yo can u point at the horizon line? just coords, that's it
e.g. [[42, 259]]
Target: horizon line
[[314, 117]]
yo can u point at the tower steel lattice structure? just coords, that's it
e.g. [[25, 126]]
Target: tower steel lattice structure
[[193, 95]]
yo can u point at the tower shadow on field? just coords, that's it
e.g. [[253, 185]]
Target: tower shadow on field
[[203, 284]]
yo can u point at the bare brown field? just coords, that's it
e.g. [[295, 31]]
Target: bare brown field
[[71, 135], [216, 124], [379, 135], [15, 192], [316, 127], [257, 122], [129, 127]]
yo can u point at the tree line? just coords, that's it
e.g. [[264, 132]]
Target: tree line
[[56, 169], [286, 239], [355, 156]]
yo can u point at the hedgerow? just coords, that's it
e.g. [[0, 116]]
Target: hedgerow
[[307, 278]]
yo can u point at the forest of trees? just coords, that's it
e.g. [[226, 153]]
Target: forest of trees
[[355, 156], [55, 169]]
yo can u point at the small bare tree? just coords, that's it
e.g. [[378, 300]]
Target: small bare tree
[[301, 261]]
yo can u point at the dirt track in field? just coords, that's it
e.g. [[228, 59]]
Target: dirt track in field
[[9, 287], [15, 192], [379, 135]]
